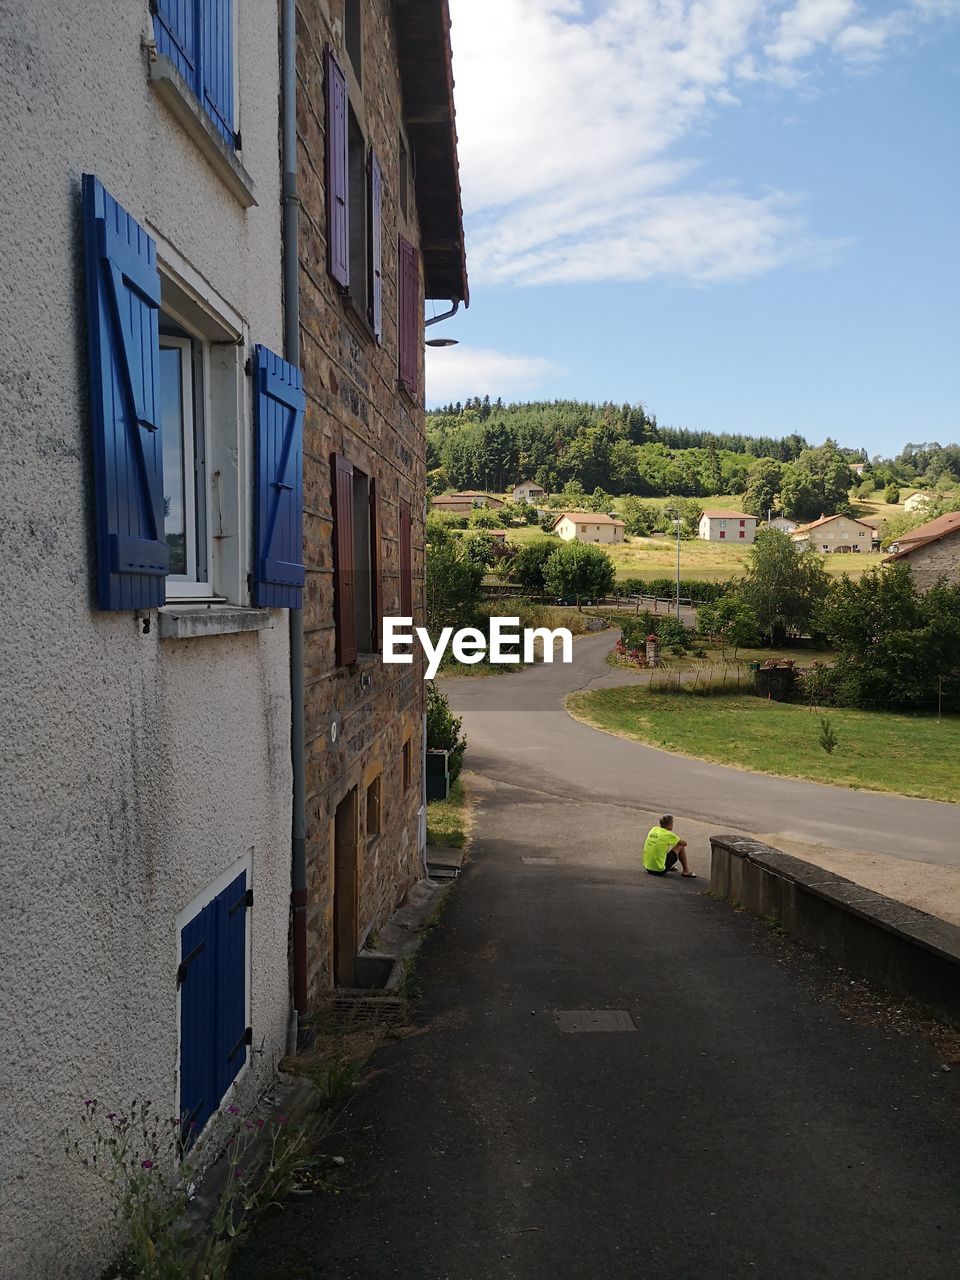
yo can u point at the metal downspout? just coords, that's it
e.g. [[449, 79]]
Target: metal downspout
[[291, 348]]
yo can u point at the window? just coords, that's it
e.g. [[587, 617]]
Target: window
[[723, 533], [722, 523], [357, 571], [742, 533], [197, 36], [184, 475], [743, 524], [407, 764], [352, 35], [214, 999], [373, 808], [826, 546]]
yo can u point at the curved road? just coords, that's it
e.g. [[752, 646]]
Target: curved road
[[519, 731]]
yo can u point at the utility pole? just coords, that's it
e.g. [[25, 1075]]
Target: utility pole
[[676, 525]]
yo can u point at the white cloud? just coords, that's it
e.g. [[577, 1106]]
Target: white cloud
[[577, 124], [453, 373]]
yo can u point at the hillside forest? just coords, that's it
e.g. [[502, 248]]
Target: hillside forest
[[590, 453]]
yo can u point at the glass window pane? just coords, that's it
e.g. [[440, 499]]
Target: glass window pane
[[171, 428]]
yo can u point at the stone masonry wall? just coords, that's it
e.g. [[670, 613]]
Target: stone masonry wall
[[355, 408], [940, 559]]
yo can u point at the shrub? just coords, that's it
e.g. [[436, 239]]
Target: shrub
[[483, 518], [444, 730]]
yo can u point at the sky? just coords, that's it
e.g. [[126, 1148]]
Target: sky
[[743, 214]]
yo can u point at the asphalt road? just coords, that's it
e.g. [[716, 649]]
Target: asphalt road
[[758, 1121], [518, 730]]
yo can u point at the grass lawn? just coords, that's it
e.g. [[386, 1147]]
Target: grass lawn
[[449, 821], [709, 561], [876, 751]]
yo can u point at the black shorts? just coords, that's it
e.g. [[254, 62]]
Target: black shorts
[[672, 861]]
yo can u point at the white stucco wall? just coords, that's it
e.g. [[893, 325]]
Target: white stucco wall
[[710, 529], [589, 531], [135, 770]]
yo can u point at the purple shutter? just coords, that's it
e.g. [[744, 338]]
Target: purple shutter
[[338, 222], [409, 290], [376, 248], [344, 574], [406, 562], [376, 569]]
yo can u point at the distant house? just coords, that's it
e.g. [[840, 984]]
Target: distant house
[[727, 526], [783, 523], [588, 526], [527, 491], [835, 534], [932, 551], [463, 503], [918, 500], [857, 468]]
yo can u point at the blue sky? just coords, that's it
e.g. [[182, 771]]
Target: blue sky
[[744, 214]]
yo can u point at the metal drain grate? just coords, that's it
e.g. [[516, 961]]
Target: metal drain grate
[[539, 862], [348, 1009], [595, 1020]]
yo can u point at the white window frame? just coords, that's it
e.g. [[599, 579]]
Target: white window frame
[[191, 586], [200, 310]]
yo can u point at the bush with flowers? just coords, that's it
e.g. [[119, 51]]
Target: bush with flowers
[[142, 1158]]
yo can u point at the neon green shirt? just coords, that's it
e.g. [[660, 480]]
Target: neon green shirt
[[657, 845]]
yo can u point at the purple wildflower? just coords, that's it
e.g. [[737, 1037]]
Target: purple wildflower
[[238, 1173], [233, 1109], [147, 1164]]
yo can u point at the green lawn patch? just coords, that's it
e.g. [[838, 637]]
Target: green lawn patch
[[449, 821], [876, 751]]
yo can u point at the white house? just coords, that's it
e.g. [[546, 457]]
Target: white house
[[527, 491], [836, 534], [146, 777], [917, 501], [783, 523], [727, 526], [588, 526]]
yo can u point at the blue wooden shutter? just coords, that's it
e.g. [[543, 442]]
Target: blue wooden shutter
[[231, 991], [338, 222], [408, 269], [175, 31], [197, 979], [279, 408], [215, 87], [123, 300], [375, 188]]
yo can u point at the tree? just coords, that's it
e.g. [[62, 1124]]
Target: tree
[[891, 494], [763, 487], [526, 568], [818, 483], [783, 587], [484, 518], [729, 621], [443, 730], [452, 588], [579, 571], [639, 517]]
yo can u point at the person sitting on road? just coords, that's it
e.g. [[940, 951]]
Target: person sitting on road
[[662, 850]]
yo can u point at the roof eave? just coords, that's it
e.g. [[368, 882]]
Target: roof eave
[[429, 115]]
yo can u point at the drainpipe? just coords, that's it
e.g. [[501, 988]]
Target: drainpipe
[[444, 315], [291, 350]]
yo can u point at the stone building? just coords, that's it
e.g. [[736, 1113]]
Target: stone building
[[380, 231], [146, 773], [931, 552]]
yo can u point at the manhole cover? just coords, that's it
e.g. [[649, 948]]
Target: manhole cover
[[539, 862], [595, 1020]]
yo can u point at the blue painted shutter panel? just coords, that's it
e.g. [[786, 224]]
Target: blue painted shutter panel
[[338, 222], [215, 89], [123, 301], [198, 977], [279, 409], [375, 188], [231, 1003], [175, 31]]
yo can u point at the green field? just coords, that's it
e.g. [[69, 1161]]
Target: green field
[[657, 557], [876, 751]]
